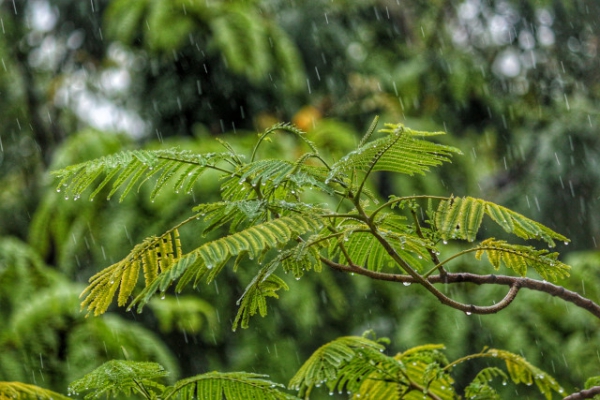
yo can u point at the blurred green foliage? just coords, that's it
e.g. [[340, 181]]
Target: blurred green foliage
[[514, 82]]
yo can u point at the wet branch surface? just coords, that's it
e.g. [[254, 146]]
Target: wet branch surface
[[514, 283], [584, 394]]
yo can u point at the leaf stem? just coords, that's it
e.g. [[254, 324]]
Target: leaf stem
[[439, 266], [376, 159], [483, 353], [193, 163], [142, 390], [401, 199]]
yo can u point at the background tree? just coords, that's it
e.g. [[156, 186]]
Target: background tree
[[512, 81]]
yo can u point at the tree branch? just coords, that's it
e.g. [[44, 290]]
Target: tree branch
[[584, 394], [515, 284], [467, 308], [527, 283]]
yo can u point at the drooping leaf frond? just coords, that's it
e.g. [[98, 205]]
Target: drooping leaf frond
[[401, 151], [409, 375], [324, 364], [461, 217], [153, 256], [209, 259], [227, 386], [358, 366], [518, 258], [254, 298], [480, 389], [130, 168], [303, 257], [121, 377], [521, 371], [424, 366], [24, 391]]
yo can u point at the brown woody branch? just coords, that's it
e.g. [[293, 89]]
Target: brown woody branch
[[514, 283], [584, 394]]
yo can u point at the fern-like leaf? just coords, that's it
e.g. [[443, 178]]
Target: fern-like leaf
[[480, 389], [234, 213], [272, 171], [254, 298], [209, 259], [270, 176], [518, 258], [24, 391], [154, 256], [400, 151], [357, 365], [132, 168], [521, 371], [365, 250], [303, 258], [461, 217], [324, 365], [424, 367], [121, 377], [227, 386]]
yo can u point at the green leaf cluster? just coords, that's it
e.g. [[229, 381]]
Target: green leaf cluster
[[360, 367], [461, 217], [280, 215], [24, 391], [518, 258], [123, 377], [355, 365]]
